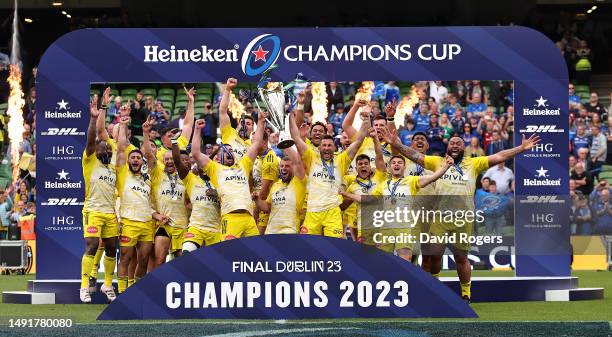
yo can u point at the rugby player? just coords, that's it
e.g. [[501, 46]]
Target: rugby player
[[286, 197], [455, 190], [239, 140], [137, 226], [99, 218], [325, 172], [231, 179]]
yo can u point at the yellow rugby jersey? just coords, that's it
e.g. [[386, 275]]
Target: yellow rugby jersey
[[286, 201], [182, 144], [265, 167], [323, 184], [232, 184], [414, 169], [135, 194], [360, 186], [230, 136], [459, 179], [400, 188], [169, 195], [100, 183], [367, 147], [458, 184], [205, 210]]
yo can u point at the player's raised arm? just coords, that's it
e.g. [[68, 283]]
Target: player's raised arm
[[146, 145], [347, 124], [189, 115], [122, 141], [380, 159], [182, 170], [196, 142], [296, 163], [300, 144], [224, 119], [425, 180], [363, 132], [258, 137], [502, 156], [406, 151], [90, 147], [101, 132]]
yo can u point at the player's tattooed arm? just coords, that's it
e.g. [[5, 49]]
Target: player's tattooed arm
[[390, 110], [502, 156], [425, 180], [146, 144], [90, 148], [347, 123], [351, 151], [101, 131], [189, 114], [224, 119], [258, 141], [380, 159], [196, 142], [122, 141], [295, 135], [406, 151]]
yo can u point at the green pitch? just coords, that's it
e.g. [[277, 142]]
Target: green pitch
[[581, 318]]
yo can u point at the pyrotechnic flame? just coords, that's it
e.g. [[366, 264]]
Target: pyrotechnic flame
[[365, 93], [15, 112], [235, 106], [405, 106], [319, 102]]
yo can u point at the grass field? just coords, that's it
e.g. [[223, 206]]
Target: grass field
[[581, 318]]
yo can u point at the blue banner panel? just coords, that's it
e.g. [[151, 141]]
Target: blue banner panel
[[287, 277], [87, 56]]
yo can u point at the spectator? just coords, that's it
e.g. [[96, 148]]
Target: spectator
[[603, 214], [473, 149], [502, 175], [406, 132], [451, 106], [392, 92], [209, 132], [494, 206], [435, 137], [608, 134], [138, 113], [574, 100], [334, 94], [572, 163], [484, 184], [29, 109], [447, 126], [160, 115], [581, 220], [438, 91], [421, 119], [581, 139], [113, 111], [6, 205], [468, 134], [584, 181], [599, 149], [476, 106], [337, 118], [496, 145], [593, 107], [177, 123], [15, 216], [583, 157]]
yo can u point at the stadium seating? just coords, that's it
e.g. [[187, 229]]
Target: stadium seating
[[166, 91]]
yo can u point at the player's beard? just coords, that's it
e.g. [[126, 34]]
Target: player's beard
[[135, 171], [170, 169], [458, 158]]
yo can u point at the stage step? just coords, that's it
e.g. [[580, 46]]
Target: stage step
[[27, 297], [67, 291], [578, 294]]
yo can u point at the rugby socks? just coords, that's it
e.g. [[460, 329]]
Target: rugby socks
[[96, 262], [86, 264], [122, 283], [436, 275], [109, 270], [466, 289], [130, 282]]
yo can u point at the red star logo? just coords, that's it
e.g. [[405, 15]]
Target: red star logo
[[260, 54]]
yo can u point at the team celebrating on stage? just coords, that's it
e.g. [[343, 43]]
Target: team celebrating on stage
[[160, 202]]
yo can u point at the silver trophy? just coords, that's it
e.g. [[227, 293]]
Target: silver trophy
[[273, 97]]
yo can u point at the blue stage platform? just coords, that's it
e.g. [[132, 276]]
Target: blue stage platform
[[484, 289]]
